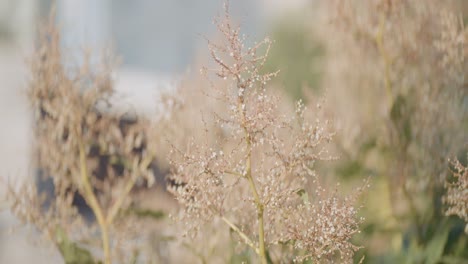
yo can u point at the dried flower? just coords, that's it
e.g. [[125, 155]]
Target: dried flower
[[251, 174], [457, 193], [81, 147]]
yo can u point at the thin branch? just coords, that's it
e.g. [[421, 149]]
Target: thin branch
[[379, 40], [128, 187], [91, 199], [234, 173], [246, 239]]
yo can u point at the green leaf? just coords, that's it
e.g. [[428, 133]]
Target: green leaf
[[398, 108], [350, 168], [71, 252], [400, 115], [303, 194], [452, 260], [435, 248], [368, 145], [147, 213]]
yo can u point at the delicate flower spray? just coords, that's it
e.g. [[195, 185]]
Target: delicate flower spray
[[257, 174]]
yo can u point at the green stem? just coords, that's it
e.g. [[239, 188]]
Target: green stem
[[127, 188], [259, 205], [379, 40], [241, 234], [91, 199]]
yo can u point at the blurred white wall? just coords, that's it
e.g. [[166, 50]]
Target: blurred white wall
[[165, 35], [15, 150], [84, 24], [17, 20]]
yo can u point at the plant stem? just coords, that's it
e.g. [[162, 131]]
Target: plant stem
[[91, 199], [105, 243], [241, 234], [234, 173], [379, 40], [259, 205], [194, 251], [127, 188], [261, 231]]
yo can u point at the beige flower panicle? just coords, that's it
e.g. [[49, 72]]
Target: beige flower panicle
[[457, 193], [81, 146], [254, 175]]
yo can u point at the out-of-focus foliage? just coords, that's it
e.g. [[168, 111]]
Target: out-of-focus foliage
[[396, 76], [72, 253], [395, 73], [297, 54]]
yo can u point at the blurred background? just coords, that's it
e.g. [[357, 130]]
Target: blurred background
[[400, 139]]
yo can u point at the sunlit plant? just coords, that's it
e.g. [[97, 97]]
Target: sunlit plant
[[254, 176]]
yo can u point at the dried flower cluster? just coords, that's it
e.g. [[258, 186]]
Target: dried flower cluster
[[81, 146], [457, 193], [253, 175], [411, 80], [396, 77]]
